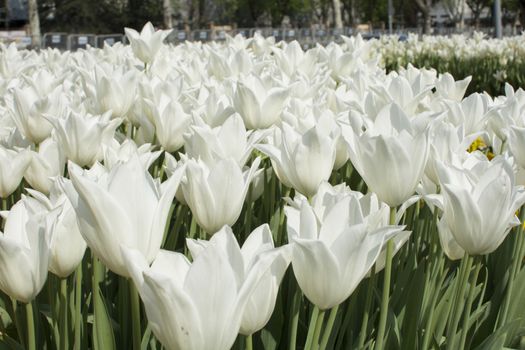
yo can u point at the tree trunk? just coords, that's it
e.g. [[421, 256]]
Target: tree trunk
[[338, 21], [427, 28], [34, 24], [424, 7], [168, 12]]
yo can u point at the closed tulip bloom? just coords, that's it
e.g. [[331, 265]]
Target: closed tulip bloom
[[13, 165], [24, 253], [122, 206], [82, 136], [46, 163], [261, 302], [259, 107], [29, 109], [391, 143], [66, 245], [170, 122], [146, 44], [197, 305], [334, 248], [480, 200], [215, 192], [114, 91], [302, 161]]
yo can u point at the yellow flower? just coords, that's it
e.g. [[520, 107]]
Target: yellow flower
[[480, 145]]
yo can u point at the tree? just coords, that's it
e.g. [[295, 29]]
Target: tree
[[338, 21], [476, 7], [34, 23], [455, 9], [167, 10], [425, 6]]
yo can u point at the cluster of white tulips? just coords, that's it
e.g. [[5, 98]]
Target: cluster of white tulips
[[167, 189], [507, 49]]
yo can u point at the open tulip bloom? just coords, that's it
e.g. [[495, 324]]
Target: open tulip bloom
[[122, 206], [335, 244], [392, 143], [480, 200], [200, 305]]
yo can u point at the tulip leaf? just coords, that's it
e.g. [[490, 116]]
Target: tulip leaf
[[8, 343], [517, 308], [104, 337]]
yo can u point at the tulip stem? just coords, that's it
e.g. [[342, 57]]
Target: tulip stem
[[135, 315], [78, 305], [386, 286], [296, 303], [470, 300], [63, 315], [31, 339], [318, 326], [311, 328], [249, 342], [328, 328], [461, 284], [368, 302]]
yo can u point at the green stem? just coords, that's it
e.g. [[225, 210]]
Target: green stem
[[294, 321], [328, 328], [31, 339], [78, 307], [457, 308], [317, 333], [386, 286], [63, 328], [368, 302], [249, 342], [311, 328], [135, 315], [470, 300]]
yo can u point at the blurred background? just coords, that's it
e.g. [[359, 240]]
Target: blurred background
[[26, 18]]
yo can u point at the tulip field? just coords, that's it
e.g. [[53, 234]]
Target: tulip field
[[250, 194]]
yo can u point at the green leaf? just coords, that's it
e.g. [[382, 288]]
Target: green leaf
[[104, 337]]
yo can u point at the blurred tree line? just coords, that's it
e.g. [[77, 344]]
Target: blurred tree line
[[107, 16]]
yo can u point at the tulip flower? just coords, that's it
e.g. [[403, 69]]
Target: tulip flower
[[228, 140], [46, 163], [302, 161], [170, 122], [516, 143], [29, 109], [13, 164], [66, 245], [480, 200], [390, 143], [450, 89], [335, 244], [113, 91], [124, 206], [215, 192], [262, 301], [82, 136], [146, 44], [197, 305], [24, 253], [259, 107]]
